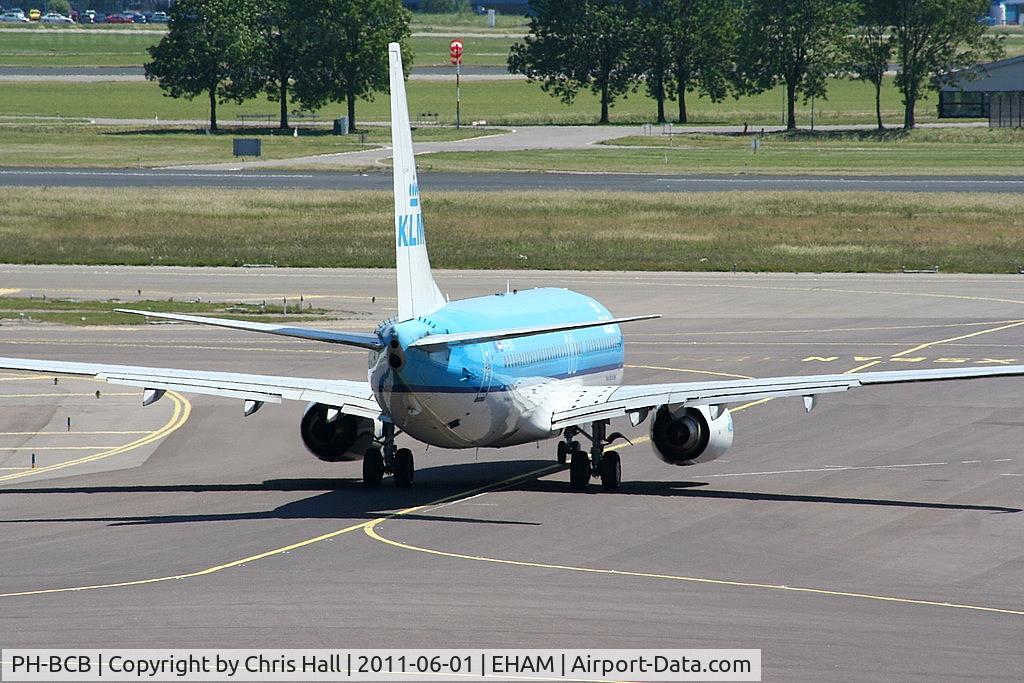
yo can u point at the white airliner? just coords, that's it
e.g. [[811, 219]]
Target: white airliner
[[490, 371]]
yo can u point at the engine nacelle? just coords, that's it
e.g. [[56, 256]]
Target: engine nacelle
[[690, 436], [346, 437]]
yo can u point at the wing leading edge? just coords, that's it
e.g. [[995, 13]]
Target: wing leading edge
[[351, 398], [588, 404]]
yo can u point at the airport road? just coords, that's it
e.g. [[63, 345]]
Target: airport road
[[490, 182], [879, 537]]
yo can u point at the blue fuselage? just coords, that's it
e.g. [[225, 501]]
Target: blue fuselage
[[492, 393]]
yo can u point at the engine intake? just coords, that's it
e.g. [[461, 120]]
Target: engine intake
[[690, 436], [346, 437]]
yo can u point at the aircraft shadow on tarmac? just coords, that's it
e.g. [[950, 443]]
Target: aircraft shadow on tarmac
[[344, 498], [339, 498], [692, 489]]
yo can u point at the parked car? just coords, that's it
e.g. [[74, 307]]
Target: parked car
[[137, 18], [13, 18], [55, 18], [158, 18], [99, 18], [119, 19], [34, 15]]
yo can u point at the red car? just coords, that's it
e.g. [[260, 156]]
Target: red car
[[119, 19]]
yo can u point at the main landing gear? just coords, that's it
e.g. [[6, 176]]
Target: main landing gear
[[597, 463], [397, 462]]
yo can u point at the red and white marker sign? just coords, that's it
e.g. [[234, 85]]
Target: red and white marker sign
[[455, 51]]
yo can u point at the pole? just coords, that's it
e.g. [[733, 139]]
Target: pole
[[458, 93]]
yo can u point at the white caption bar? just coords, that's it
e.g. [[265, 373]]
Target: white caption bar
[[379, 665]]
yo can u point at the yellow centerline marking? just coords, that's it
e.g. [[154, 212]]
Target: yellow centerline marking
[[370, 530], [372, 533], [926, 345], [5, 292], [182, 409], [284, 549]]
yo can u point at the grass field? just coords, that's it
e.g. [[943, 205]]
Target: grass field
[[958, 151], [605, 231], [74, 47], [497, 102], [86, 145], [75, 312]]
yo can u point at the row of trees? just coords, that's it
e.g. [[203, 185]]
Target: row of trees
[[718, 48], [301, 52]]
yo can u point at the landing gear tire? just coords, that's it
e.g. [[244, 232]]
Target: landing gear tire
[[579, 471], [373, 468], [611, 471], [563, 452], [405, 468]]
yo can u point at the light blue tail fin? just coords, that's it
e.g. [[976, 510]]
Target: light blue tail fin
[[417, 292]]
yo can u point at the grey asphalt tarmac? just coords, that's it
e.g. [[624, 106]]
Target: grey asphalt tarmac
[[487, 182], [878, 538]]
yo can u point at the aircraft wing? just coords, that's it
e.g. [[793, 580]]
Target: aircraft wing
[[352, 398], [587, 404]]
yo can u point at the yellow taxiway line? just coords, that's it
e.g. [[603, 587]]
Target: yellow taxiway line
[[369, 528], [182, 409]]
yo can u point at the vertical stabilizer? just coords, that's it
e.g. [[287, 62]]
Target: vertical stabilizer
[[417, 292]]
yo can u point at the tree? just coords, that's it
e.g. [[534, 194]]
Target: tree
[[793, 42], [206, 44], [279, 29], [343, 52], [704, 36], [869, 49], [933, 39], [652, 52], [576, 44], [59, 6]]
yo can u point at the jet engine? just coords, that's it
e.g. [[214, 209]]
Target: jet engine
[[690, 436], [345, 437]]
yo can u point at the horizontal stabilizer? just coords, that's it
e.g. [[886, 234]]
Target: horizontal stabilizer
[[435, 340], [361, 340]]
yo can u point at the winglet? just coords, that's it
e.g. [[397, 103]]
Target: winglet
[[417, 292]]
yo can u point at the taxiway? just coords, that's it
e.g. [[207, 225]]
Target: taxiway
[[878, 537]]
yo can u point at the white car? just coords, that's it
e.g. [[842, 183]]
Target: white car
[[56, 18], [13, 18]]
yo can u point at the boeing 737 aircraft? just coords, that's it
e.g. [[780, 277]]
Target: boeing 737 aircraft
[[491, 371]]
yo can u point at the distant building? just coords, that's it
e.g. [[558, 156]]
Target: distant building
[[991, 91], [1007, 12]]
